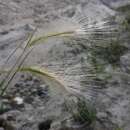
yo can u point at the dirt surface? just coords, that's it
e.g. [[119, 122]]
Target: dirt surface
[[67, 59]]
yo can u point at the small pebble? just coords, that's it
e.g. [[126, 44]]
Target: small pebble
[[18, 100], [1, 128]]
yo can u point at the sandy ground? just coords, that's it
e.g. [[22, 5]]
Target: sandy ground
[[19, 18]]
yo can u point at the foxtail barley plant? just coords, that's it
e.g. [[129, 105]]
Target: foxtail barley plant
[[78, 27]]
